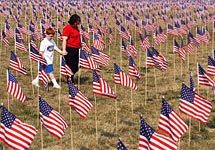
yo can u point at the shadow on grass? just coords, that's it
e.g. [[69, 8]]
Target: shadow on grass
[[108, 134]]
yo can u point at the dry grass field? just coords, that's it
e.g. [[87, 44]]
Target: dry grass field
[[129, 105]]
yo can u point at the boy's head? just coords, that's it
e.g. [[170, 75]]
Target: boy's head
[[50, 33]]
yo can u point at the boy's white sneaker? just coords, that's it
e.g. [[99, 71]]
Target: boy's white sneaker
[[57, 86]]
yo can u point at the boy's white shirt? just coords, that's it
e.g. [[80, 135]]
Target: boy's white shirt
[[48, 47]]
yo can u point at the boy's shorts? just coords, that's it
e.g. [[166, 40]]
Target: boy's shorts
[[49, 68]]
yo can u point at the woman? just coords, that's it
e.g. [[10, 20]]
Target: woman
[[71, 43]]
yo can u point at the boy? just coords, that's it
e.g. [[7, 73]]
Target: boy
[[47, 47]]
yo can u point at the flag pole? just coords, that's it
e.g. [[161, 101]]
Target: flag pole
[[8, 96], [121, 52], [31, 70], [132, 103], [174, 61], [181, 68], [38, 94], [59, 92], [189, 140], [71, 133], [79, 72], [213, 26], [198, 92], [156, 90], [146, 82], [116, 111], [41, 135], [96, 125]]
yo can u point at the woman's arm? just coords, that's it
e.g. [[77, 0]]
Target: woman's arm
[[64, 43]]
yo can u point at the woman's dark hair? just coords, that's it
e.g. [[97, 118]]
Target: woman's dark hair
[[74, 18]]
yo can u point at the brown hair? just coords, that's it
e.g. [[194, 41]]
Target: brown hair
[[50, 31]]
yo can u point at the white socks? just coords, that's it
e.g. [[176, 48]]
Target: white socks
[[55, 84]]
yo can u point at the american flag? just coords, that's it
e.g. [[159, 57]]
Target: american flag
[[179, 49], [51, 119], [204, 78], [16, 64], [5, 39], [154, 58], [19, 34], [90, 28], [35, 55], [121, 78], [97, 43], [20, 45], [87, 62], [156, 37], [199, 35], [23, 30], [194, 105], [100, 57], [123, 33], [193, 40], [161, 35], [78, 101], [101, 87], [84, 44], [125, 49], [110, 36], [133, 69], [8, 30], [15, 133], [43, 76], [144, 41], [190, 45], [192, 84], [100, 34], [118, 24], [120, 145], [84, 32], [150, 139], [171, 30], [132, 48], [14, 88], [171, 123], [64, 69], [211, 66]]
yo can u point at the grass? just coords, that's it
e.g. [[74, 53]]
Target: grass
[[82, 132]]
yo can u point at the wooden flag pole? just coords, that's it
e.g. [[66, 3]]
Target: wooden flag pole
[[189, 140], [8, 101], [174, 62], [132, 103], [1, 49], [71, 129], [79, 72], [59, 92], [213, 39], [146, 83], [109, 49], [181, 69], [31, 69], [96, 124], [38, 94], [198, 92], [41, 135], [121, 52], [8, 96], [116, 115], [156, 90]]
